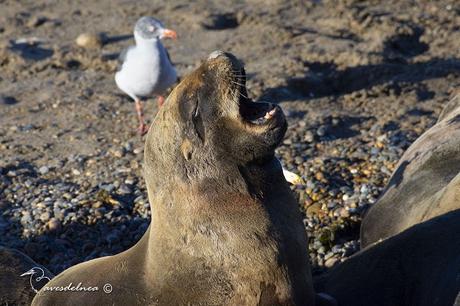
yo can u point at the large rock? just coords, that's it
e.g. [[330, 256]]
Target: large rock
[[425, 184], [420, 266]]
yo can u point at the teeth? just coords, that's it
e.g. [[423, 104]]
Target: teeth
[[270, 114]]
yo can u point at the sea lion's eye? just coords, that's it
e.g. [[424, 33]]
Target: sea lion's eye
[[198, 122], [196, 113], [189, 110]]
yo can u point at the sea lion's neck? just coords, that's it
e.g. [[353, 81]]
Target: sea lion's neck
[[260, 179], [214, 216]]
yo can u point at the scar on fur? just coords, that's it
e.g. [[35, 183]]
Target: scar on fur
[[186, 149]]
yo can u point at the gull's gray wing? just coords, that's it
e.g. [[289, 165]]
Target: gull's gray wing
[[122, 57], [169, 57]]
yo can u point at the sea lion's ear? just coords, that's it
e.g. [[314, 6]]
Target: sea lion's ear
[[187, 149]]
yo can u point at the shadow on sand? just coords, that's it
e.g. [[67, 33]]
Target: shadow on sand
[[324, 79]]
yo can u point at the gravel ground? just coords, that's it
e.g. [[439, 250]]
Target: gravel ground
[[359, 82]]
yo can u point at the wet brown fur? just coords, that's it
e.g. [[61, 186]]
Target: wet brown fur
[[225, 227]]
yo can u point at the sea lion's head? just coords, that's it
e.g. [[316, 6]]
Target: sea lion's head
[[208, 125]]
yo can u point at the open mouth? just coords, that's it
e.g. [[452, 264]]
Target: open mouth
[[255, 113]]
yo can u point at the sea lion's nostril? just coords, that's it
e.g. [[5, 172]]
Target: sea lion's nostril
[[216, 54], [226, 57]]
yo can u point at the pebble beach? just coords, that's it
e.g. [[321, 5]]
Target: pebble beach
[[357, 81]]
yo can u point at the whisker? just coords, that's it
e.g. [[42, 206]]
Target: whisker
[[243, 96], [236, 82], [239, 84], [240, 94], [238, 73]]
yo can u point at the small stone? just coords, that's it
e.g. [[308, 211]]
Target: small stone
[[336, 249], [100, 211], [27, 127], [128, 147], [45, 216], [321, 250], [313, 209], [298, 160], [53, 224], [40, 205], [76, 172], [124, 189], [97, 204], [109, 187], [43, 170], [319, 176], [58, 213], [321, 131], [385, 170], [309, 137], [331, 205], [328, 255], [89, 40], [26, 218], [36, 21], [330, 262], [117, 153], [344, 213], [134, 164], [335, 121]]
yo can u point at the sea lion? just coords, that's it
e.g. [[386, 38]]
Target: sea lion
[[420, 266], [425, 184], [225, 228], [18, 277]]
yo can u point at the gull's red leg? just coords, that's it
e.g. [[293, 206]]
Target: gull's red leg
[[142, 129], [161, 101]]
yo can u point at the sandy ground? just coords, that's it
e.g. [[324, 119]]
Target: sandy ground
[[358, 80]]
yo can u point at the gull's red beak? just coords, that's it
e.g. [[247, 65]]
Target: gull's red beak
[[169, 34]]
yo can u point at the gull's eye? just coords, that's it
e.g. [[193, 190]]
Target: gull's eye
[[151, 28]]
